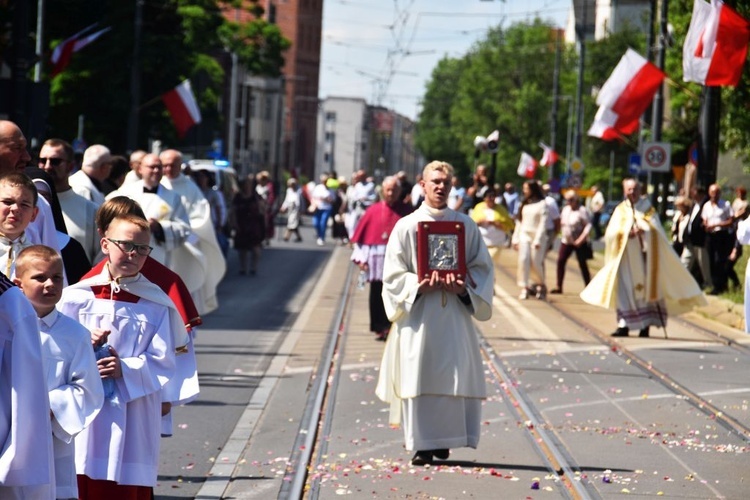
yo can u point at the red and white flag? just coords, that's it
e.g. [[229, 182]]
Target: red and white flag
[[183, 107], [549, 157], [716, 45], [625, 96], [64, 51], [527, 166]]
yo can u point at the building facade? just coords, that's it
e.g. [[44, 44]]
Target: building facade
[[353, 135]]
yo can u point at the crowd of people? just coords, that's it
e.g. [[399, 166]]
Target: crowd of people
[[107, 267]]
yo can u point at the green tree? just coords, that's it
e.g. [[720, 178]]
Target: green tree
[[179, 39], [434, 120]]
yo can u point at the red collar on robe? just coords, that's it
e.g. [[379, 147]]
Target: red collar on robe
[[169, 281], [106, 292], [376, 224]]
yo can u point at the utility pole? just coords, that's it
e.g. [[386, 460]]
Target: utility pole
[[135, 79], [553, 117], [708, 135], [581, 33], [657, 108]]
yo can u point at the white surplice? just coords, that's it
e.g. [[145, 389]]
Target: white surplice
[[179, 250], [432, 372], [201, 222], [84, 186], [75, 391], [79, 214], [26, 458], [122, 443]]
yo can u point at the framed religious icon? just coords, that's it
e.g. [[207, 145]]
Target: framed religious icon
[[441, 248]]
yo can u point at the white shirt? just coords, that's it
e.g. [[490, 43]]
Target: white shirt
[[713, 214], [75, 391]]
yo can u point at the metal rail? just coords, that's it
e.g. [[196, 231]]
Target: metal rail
[[549, 447], [697, 401], [304, 445]]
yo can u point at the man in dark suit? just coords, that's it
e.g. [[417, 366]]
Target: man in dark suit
[[694, 254]]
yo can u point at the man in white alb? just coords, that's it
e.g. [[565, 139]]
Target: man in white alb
[[431, 372], [199, 213], [95, 168]]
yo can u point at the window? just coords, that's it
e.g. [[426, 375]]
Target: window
[[330, 116], [266, 151], [268, 108]]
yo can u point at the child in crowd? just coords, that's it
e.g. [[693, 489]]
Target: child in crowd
[[117, 456], [18, 199], [75, 389]]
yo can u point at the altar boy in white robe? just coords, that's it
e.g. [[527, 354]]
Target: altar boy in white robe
[[432, 373], [117, 456], [75, 389], [175, 245]]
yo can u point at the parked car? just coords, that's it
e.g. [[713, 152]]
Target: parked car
[[224, 176]]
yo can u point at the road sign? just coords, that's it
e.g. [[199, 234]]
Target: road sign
[[575, 181], [634, 164], [656, 156], [576, 166]]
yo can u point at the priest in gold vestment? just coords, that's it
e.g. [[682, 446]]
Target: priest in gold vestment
[[642, 278]]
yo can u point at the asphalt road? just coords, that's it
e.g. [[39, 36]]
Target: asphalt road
[[234, 346]]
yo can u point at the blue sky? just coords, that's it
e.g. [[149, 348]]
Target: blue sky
[[359, 35]]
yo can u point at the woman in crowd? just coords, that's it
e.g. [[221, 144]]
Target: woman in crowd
[[574, 237], [248, 223], [291, 207], [530, 239], [495, 224]]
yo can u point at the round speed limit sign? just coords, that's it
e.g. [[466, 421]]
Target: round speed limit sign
[[656, 157]]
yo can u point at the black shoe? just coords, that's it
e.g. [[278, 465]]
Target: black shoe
[[441, 454], [620, 332], [556, 291], [422, 458], [644, 332]]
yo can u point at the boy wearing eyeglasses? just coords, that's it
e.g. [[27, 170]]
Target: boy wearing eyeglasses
[[118, 455], [18, 199], [73, 384]]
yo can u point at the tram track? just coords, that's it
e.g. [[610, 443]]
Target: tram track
[[311, 446], [726, 420]]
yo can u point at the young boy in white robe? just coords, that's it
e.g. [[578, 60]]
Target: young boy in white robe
[[117, 456], [18, 200], [75, 389]]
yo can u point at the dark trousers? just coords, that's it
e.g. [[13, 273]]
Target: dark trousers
[[596, 223], [562, 259], [719, 246], [378, 320]]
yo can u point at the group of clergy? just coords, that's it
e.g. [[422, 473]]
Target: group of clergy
[[180, 217]]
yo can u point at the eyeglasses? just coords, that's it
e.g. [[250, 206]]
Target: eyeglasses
[[55, 162], [129, 246]]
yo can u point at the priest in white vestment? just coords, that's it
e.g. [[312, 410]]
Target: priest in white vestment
[[432, 373], [199, 212], [174, 243], [95, 168], [642, 279]]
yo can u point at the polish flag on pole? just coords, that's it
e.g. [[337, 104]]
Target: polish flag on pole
[[64, 51], [625, 96], [549, 157], [715, 46], [183, 107], [527, 166]]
